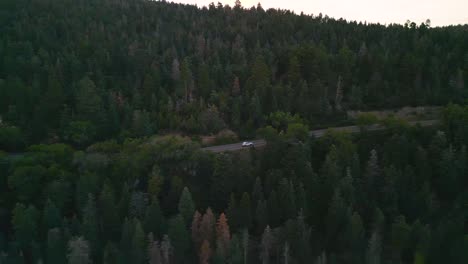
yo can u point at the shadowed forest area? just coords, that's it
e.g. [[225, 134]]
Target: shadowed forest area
[[101, 100], [83, 71]]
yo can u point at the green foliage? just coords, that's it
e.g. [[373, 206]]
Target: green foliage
[[51, 217], [11, 138], [202, 83], [366, 120], [281, 120], [80, 133], [179, 236], [26, 181], [78, 251], [90, 226], [134, 68], [25, 224], [298, 131], [186, 205], [56, 246]]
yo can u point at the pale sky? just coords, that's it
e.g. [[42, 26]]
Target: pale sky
[[440, 12]]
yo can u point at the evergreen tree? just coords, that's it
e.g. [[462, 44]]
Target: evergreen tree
[[166, 250], [266, 245], [186, 205], [207, 227], [90, 227], [108, 214], [24, 222], [245, 211], [196, 230], [126, 240], [261, 216], [138, 244], [78, 249], [257, 192], [180, 238], [245, 245], [205, 253], [56, 247], [89, 103], [400, 236], [154, 253], [223, 236], [111, 254], [233, 212], [51, 217], [374, 249]]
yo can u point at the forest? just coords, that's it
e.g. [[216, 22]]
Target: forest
[[393, 196], [102, 103], [83, 71]]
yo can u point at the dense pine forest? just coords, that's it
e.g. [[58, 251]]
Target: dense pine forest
[[82, 71], [103, 102]]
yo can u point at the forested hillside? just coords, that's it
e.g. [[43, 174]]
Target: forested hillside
[[395, 196], [80, 71], [100, 101]]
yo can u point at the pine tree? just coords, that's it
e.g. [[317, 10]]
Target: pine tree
[[126, 240], [24, 223], [266, 245], [79, 252], [166, 250], [339, 94], [236, 87], [90, 225], [294, 70], [196, 230], [245, 211], [51, 217], [56, 247], [322, 259], [138, 244], [257, 192], [356, 241], [175, 74], [186, 205], [111, 254], [233, 212], [137, 205], [400, 236], [303, 238], [207, 227], [373, 178], [245, 244], [155, 182], [374, 249], [88, 101], [286, 253], [186, 77], [235, 251], [205, 252], [223, 236], [336, 218], [154, 252], [108, 213], [261, 216], [273, 211], [149, 88], [180, 238]]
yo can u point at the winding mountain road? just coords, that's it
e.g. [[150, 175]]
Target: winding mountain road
[[314, 133]]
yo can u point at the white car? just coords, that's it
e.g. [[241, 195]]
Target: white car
[[247, 144]]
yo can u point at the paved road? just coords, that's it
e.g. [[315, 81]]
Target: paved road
[[235, 147], [315, 133]]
